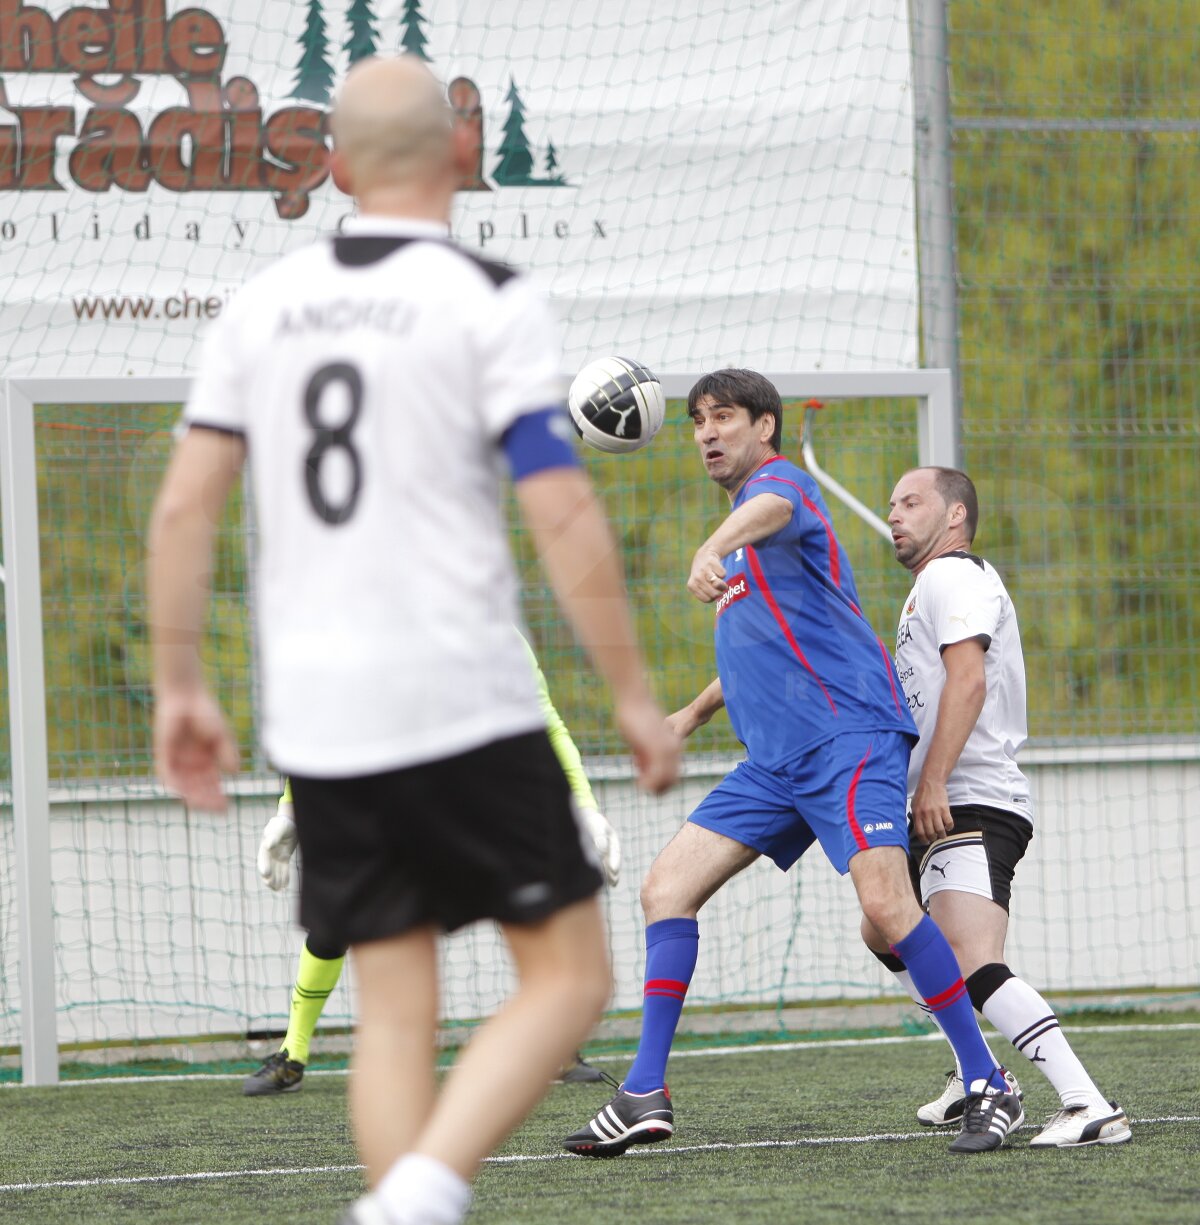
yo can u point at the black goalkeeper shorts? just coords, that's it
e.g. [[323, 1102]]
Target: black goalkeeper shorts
[[488, 834]]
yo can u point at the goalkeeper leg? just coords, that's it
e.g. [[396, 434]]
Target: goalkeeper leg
[[316, 977]]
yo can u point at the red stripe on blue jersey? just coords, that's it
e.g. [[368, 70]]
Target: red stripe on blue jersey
[[835, 561]]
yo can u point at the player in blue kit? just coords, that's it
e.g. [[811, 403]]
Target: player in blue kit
[[812, 693]]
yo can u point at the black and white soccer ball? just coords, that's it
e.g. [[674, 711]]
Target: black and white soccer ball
[[617, 405]]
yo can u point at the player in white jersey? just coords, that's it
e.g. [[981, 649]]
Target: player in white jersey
[[958, 654], [378, 382]]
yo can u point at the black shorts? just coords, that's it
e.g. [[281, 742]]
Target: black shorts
[[489, 834], [979, 857]]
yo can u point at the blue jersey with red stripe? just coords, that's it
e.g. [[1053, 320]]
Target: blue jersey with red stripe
[[798, 661]]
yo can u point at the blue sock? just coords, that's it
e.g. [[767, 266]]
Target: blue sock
[[671, 947], [935, 974]]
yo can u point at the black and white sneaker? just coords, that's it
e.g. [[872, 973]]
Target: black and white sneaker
[[948, 1109], [630, 1118], [1078, 1126], [989, 1118]]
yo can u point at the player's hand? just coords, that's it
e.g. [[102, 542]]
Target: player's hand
[[656, 748], [608, 845], [193, 747], [276, 848], [931, 812], [707, 579]]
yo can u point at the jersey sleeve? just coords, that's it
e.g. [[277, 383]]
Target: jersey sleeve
[[961, 602], [216, 399], [782, 486], [521, 357], [560, 739]]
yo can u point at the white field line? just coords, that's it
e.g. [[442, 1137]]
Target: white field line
[[757, 1048], [518, 1158]]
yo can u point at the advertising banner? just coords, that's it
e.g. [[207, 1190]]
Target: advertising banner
[[699, 184]]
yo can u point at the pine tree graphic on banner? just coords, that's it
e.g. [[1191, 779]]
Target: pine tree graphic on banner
[[515, 166], [413, 38], [314, 73], [552, 164], [363, 39]]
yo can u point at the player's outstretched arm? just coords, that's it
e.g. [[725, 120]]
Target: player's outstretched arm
[[755, 520], [581, 560], [192, 744]]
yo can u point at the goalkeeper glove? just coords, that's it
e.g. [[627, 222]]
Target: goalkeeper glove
[[276, 847], [608, 845]]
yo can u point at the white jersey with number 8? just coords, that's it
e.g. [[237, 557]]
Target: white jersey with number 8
[[373, 376]]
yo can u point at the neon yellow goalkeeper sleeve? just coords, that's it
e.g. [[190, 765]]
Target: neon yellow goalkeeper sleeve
[[564, 747]]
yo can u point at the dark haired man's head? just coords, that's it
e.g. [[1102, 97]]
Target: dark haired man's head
[[747, 388], [738, 422]]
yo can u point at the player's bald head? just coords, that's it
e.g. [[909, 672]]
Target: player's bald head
[[391, 122]]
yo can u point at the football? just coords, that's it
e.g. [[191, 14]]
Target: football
[[617, 405]]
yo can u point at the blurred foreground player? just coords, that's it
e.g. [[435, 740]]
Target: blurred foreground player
[[377, 382]]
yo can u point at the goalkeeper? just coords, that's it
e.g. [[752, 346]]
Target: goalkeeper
[[320, 967]]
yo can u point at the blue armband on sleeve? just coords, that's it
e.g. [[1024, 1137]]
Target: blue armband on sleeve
[[538, 441]]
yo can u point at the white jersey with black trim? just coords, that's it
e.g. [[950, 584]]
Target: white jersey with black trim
[[956, 597], [373, 376]]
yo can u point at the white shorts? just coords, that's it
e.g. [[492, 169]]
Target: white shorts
[[979, 857]]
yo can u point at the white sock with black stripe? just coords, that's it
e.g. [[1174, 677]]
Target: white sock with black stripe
[[1029, 1023], [891, 962]]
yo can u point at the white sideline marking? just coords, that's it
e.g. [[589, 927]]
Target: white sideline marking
[[161, 1178], [754, 1048], [518, 1158]]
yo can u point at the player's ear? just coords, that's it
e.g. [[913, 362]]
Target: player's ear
[[340, 172]]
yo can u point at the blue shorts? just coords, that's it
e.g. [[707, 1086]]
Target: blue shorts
[[849, 793]]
